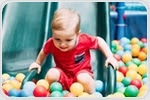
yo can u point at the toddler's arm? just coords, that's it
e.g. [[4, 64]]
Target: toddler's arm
[[107, 52], [38, 62]]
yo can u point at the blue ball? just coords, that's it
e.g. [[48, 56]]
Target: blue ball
[[13, 92], [29, 86], [25, 93], [127, 47], [144, 80], [99, 86], [119, 85]]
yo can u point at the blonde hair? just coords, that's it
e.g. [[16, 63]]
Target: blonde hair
[[66, 19]]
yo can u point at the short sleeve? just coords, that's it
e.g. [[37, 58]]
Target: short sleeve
[[47, 48], [91, 41]]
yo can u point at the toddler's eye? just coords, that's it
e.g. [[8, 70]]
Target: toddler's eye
[[68, 40], [57, 39]]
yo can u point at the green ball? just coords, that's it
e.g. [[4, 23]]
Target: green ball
[[113, 45], [126, 81], [141, 44], [136, 61], [131, 91], [144, 75], [56, 86], [128, 63], [56, 94]]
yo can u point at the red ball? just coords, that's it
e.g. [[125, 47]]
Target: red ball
[[136, 83], [144, 40], [48, 94], [69, 95], [40, 91], [123, 70], [5, 91], [117, 57]]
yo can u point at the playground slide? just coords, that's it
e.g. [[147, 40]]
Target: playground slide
[[24, 35]]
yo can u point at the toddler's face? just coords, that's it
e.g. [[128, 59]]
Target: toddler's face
[[64, 40]]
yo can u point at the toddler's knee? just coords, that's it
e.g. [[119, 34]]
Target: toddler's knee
[[53, 74], [84, 78]]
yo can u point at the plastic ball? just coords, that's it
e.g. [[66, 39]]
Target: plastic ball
[[76, 88], [64, 92], [124, 40], [118, 94], [133, 67], [120, 53], [144, 40], [141, 44], [128, 63], [84, 94], [139, 77], [142, 56], [144, 50], [126, 57], [123, 70], [56, 94], [121, 63], [142, 69], [126, 81], [20, 77], [131, 74], [29, 85], [16, 84], [7, 87], [40, 91], [5, 76], [144, 88], [69, 95], [120, 76], [136, 46], [44, 83], [144, 75], [135, 52], [134, 40], [131, 91], [97, 94], [5, 92], [13, 92], [119, 85], [144, 80], [56, 86], [127, 47], [25, 93], [136, 83], [136, 61], [99, 86], [121, 89]]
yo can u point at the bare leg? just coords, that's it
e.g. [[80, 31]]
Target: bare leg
[[87, 81], [52, 75]]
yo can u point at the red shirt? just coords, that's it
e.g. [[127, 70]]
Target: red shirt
[[76, 59]]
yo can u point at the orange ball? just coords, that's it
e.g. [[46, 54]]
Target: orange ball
[[135, 52], [142, 56], [126, 57], [16, 84], [142, 69], [7, 87], [136, 46], [76, 89]]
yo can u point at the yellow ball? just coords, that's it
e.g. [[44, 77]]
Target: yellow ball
[[120, 76], [44, 83], [7, 87], [118, 94], [142, 69], [131, 74], [16, 84], [142, 56], [144, 88], [126, 57], [134, 40], [20, 77], [139, 77], [5, 76], [133, 67], [76, 89], [141, 93], [84, 94]]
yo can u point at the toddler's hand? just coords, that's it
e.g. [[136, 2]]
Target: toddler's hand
[[111, 60], [35, 66]]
